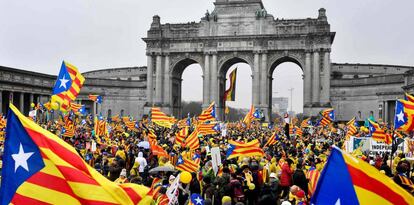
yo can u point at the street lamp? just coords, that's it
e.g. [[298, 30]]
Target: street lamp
[[291, 99]]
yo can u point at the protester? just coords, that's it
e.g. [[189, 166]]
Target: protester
[[276, 175]]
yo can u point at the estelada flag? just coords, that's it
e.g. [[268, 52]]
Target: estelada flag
[[68, 85], [230, 94], [404, 115], [349, 180], [376, 132], [209, 114], [188, 165], [40, 168], [249, 149], [95, 98]]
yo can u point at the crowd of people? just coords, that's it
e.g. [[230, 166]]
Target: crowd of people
[[285, 173]]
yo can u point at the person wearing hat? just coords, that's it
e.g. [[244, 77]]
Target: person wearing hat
[[226, 200], [273, 182], [122, 177]]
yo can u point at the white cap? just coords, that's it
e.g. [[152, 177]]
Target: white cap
[[172, 177], [123, 173], [273, 175]]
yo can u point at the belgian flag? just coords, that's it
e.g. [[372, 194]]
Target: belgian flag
[[230, 94]]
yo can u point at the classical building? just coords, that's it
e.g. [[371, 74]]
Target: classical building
[[123, 90], [235, 31]]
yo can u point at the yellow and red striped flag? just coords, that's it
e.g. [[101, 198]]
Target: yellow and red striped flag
[[249, 116], [101, 127], [376, 132], [40, 168], [192, 140], [69, 127], [67, 86], [188, 165], [272, 140], [299, 131], [248, 149], [352, 129], [160, 118], [181, 135], [208, 128], [75, 107], [306, 123], [208, 114], [313, 176], [130, 125]]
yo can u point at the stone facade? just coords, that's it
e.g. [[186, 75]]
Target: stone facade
[[119, 96], [238, 31]]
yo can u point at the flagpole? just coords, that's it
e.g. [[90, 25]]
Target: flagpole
[[392, 138], [392, 144]]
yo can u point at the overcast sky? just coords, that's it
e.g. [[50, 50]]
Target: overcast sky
[[95, 34]]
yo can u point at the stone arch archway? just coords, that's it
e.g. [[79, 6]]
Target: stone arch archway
[[225, 64], [274, 63], [173, 88]]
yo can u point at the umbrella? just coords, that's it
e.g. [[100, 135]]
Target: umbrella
[[162, 169], [144, 144]]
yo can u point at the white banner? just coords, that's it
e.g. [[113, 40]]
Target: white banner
[[215, 159], [382, 147], [93, 147], [172, 191]]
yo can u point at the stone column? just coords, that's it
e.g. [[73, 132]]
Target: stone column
[[94, 108], [307, 91], [10, 97], [167, 84], [263, 80], [256, 79], [316, 87], [21, 102], [1, 101], [385, 117], [150, 87], [31, 98], [326, 81], [206, 81], [158, 79], [214, 79]]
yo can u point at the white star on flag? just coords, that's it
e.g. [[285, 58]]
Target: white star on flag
[[180, 161], [198, 200], [20, 159], [338, 202], [63, 82], [400, 116]]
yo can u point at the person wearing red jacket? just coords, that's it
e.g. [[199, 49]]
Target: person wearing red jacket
[[286, 178]]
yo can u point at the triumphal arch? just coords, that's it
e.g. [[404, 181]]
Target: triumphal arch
[[238, 31]]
